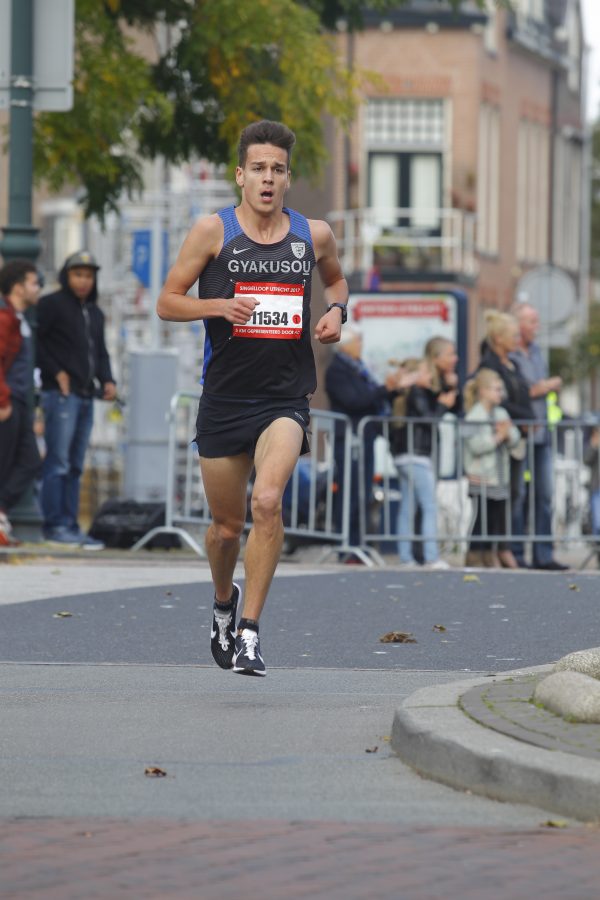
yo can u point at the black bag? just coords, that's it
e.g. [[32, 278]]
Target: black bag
[[120, 523]]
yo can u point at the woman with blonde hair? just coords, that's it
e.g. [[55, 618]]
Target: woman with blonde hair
[[412, 444], [489, 436]]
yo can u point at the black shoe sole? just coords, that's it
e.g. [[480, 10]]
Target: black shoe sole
[[248, 672]]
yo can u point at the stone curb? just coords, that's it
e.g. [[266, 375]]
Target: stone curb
[[439, 741]]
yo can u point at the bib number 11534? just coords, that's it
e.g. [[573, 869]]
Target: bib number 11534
[[278, 314]]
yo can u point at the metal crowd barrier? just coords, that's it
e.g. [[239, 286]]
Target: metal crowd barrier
[[309, 504], [571, 505], [308, 500]]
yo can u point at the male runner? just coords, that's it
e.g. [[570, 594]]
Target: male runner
[[254, 265]]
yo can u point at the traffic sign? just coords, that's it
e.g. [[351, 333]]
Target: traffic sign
[[53, 54]]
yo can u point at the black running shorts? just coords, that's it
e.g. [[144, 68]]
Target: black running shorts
[[228, 426]]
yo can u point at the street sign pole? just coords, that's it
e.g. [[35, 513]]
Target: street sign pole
[[20, 238]]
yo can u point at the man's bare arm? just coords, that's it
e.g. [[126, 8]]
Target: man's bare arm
[[329, 327], [202, 244]]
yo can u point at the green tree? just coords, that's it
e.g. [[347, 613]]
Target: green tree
[[227, 63]]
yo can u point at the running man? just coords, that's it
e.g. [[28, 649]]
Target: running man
[[253, 264]]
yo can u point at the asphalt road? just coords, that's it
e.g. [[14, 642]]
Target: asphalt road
[[496, 623]]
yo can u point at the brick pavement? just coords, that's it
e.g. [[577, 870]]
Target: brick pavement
[[70, 859]]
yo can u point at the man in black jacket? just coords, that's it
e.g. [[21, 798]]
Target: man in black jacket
[[353, 391], [73, 361]]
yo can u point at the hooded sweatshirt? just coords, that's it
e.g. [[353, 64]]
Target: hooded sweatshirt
[[70, 337]]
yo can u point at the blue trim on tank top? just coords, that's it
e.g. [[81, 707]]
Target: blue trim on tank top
[[208, 350], [299, 225], [231, 225]]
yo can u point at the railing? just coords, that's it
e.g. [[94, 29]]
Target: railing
[[308, 508], [316, 507], [366, 239]]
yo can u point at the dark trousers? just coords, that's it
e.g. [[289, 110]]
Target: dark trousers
[[20, 461], [368, 457], [543, 486], [495, 523]]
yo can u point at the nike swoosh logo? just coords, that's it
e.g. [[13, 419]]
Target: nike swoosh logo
[[242, 250]]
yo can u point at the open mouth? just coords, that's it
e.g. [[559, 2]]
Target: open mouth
[[266, 195]]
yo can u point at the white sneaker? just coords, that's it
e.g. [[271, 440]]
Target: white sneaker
[[409, 565], [440, 565]]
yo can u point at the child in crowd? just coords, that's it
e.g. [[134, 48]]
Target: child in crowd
[[489, 437], [412, 446]]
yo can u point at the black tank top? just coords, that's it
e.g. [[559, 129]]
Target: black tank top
[[271, 356]]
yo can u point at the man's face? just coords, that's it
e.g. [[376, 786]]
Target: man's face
[[265, 177], [31, 289], [81, 281], [529, 323]]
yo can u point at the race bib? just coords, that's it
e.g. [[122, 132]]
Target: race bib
[[279, 313]]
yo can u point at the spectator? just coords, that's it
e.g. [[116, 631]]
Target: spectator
[[591, 458], [487, 465], [502, 336], [440, 352], [73, 360], [412, 447], [19, 456], [353, 391], [531, 364]]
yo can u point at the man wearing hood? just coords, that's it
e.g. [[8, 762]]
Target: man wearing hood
[[75, 368]]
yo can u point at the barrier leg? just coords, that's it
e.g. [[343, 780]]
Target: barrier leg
[[163, 529]]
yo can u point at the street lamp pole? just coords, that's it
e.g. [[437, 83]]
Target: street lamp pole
[[20, 239]]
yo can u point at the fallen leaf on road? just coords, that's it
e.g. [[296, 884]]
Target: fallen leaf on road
[[439, 628], [372, 749], [574, 587], [397, 637], [154, 772], [556, 823], [62, 615], [471, 578]]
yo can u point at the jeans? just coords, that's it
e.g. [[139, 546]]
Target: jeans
[[68, 425], [595, 512], [417, 484], [542, 480]]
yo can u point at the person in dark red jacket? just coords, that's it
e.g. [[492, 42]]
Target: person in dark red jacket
[[19, 456], [75, 368]]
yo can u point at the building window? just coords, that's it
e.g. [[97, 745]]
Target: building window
[[532, 192], [567, 203], [488, 179], [398, 124], [411, 181]]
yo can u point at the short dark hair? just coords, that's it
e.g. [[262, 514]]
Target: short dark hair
[[14, 272], [266, 132]]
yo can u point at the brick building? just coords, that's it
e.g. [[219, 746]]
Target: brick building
[[465, 164]]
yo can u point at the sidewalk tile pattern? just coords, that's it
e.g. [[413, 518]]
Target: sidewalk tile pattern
[[507, 707]]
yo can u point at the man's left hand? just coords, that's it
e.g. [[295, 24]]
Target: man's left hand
[[329, 327], [110, 391]]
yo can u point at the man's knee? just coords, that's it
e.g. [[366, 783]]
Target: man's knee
[[227, 531], [266, 505]]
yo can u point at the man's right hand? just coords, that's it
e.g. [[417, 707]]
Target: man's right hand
[[64, 382], [5, 413], [239, 310]]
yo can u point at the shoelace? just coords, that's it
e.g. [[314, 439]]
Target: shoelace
[[250, 639], [223, 623]]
